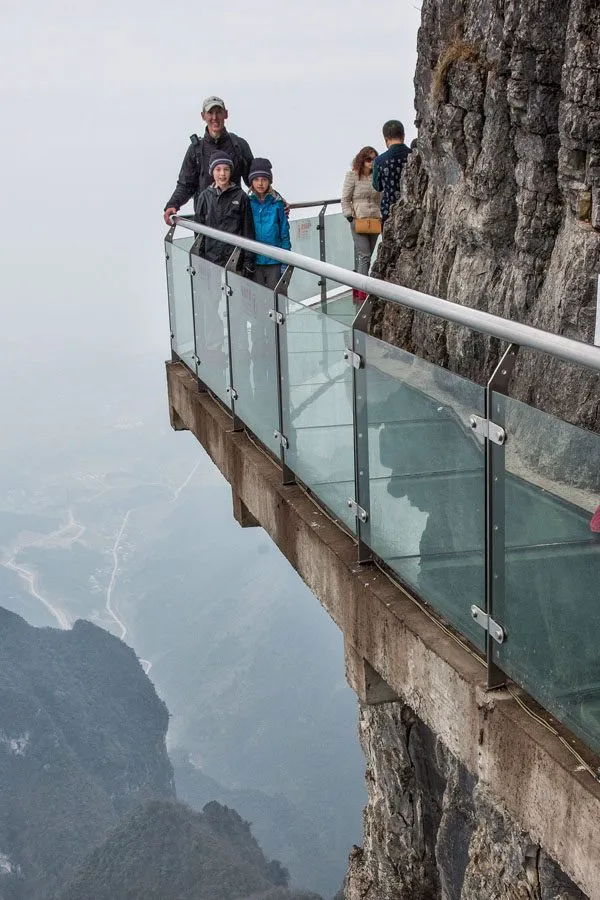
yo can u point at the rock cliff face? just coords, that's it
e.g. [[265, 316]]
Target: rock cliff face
[[166, 851], [501, 201], [500, 210], [82, 744], [430, 830]]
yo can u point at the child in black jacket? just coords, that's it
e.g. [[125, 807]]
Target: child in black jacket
[[225, 206]]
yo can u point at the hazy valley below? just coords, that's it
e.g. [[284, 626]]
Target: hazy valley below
[[112, 517]]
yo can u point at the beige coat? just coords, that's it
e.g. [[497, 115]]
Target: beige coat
[[359, 197]]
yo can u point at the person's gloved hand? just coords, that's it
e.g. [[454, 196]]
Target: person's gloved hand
[[350, 218]]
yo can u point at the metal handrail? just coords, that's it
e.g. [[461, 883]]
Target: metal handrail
[[313, 203], [505, 329]]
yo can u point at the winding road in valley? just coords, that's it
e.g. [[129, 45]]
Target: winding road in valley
[[65, 537], [31, 581], [145, 663]]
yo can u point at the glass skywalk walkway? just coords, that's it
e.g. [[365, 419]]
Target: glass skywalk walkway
[[489, 524]]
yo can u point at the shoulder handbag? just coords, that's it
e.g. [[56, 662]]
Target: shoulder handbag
[[367, 226]]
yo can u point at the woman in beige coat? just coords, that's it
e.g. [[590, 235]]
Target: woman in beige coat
[[361, 201]]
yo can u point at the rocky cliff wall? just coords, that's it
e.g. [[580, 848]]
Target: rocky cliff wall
[[82, 743], [500, 210], [432, 832], [501, 201]]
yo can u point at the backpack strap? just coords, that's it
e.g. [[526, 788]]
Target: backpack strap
[[199, 143]]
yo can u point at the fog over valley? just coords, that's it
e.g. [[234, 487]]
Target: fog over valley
[[106, 514]]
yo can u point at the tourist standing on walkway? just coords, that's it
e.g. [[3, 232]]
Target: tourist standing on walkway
[[270, 221], [388, 166], [361, 206], [194, 176], [225, 206]]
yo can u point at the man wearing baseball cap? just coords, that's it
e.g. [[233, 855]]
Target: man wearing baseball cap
[[194, 175]]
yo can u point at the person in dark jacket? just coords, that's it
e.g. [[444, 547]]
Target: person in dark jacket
[[224, 205], [194, 176], [388, 166], [270, 221]]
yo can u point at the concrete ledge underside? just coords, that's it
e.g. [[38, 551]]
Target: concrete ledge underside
[[525, 767]]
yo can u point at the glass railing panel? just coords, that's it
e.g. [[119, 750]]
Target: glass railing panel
[[254, 359], [305, 239], [181, 309], [339, 247], [427, 481], [317, 405], [210, 308], [545, 596], [341, 306], [339, 251]]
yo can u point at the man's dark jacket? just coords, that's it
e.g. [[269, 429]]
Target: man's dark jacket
[[227, 210], [194, 178], [387, 170]]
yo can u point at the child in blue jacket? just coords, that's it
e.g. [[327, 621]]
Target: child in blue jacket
[[270, 221]]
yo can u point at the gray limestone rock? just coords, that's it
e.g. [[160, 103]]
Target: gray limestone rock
[[500, 206], [432, 832], [500, 210]]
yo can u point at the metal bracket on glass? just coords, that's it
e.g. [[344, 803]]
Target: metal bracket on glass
[[354, 359], [232, 392], [190, 270], [502, 374], [322, 255], [195, 248], [277, 317], [281, 438], [358, 511], [488, 624], [227, 289], [487, 429]]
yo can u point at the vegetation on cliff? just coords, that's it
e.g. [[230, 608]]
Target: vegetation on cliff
[[82, 743], [165, 850]]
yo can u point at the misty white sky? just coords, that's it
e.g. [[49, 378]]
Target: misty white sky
[[98, 99]]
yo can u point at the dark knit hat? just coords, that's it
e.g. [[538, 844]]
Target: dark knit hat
[[260, 168], [219, 158]]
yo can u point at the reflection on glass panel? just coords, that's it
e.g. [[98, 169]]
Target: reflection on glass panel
[[253, 352], [210, 308], [317, 401], [427, 481], [547, 600], [304, 237], [182, 317]]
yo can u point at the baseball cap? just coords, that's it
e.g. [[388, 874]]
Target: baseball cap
[[212, 101]]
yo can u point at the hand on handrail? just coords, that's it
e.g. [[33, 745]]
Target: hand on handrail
[[168, 215]]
